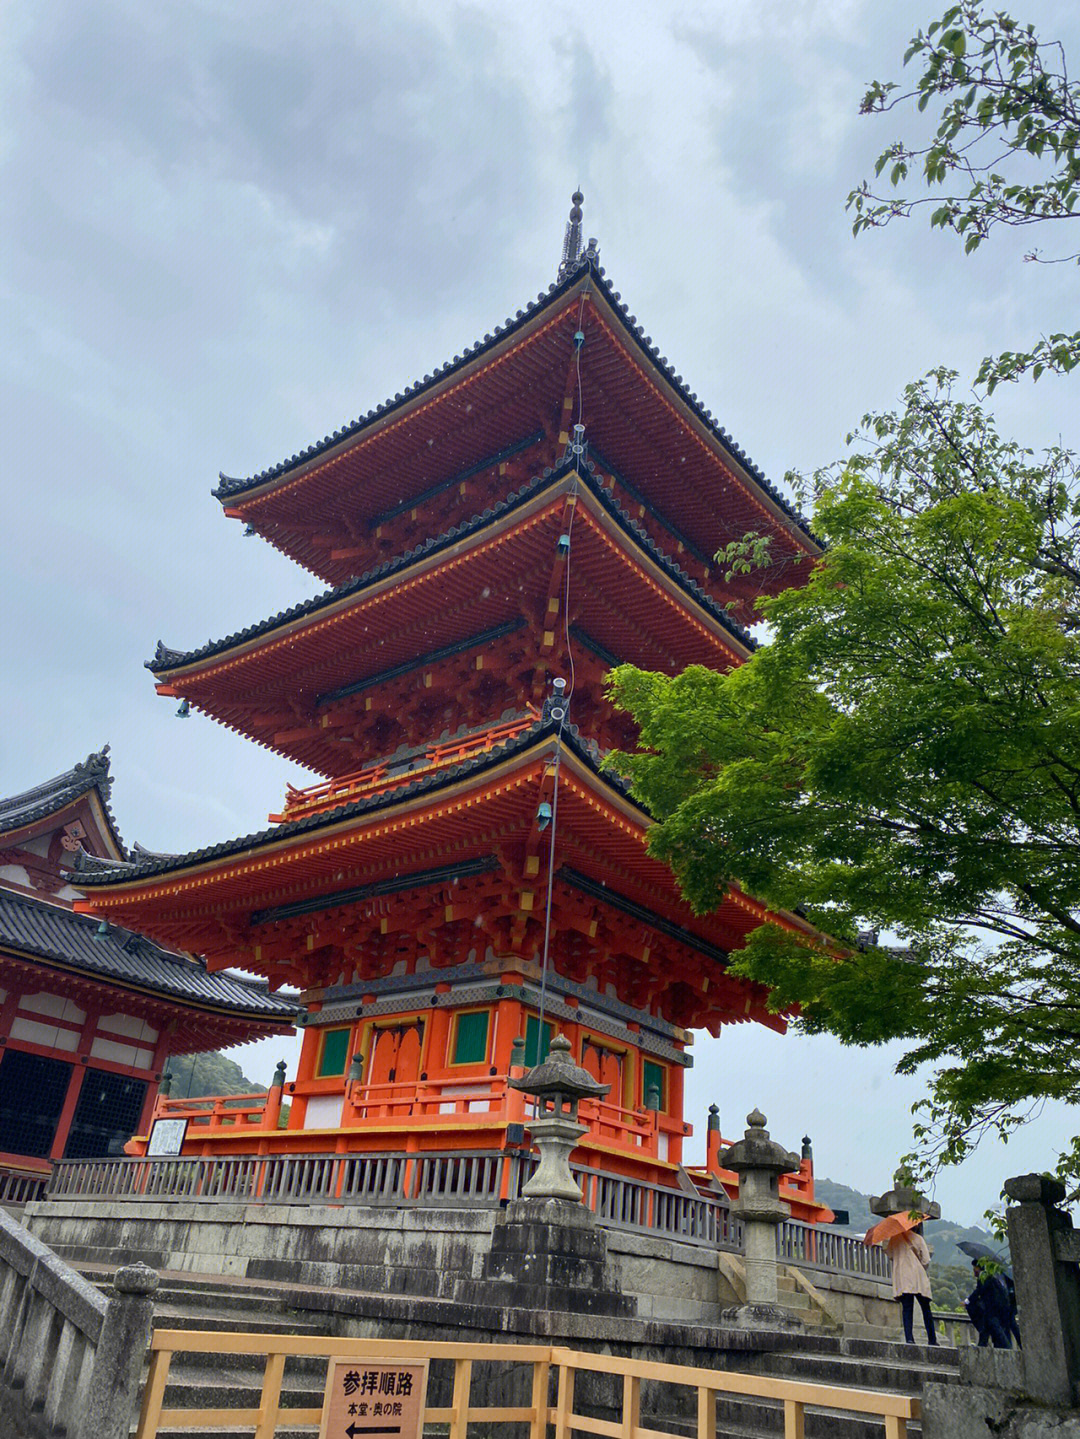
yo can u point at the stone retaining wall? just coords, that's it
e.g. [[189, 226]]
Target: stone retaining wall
[[425, 1252]]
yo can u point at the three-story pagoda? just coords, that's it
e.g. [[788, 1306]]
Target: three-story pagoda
[[465, 874]]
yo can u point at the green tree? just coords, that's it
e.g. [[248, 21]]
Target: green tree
[[904, 753], [1005, 150]]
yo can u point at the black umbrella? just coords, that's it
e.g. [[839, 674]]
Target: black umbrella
[[980, 1251]]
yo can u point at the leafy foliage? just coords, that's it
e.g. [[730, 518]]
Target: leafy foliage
[[1005, 151], [904, 754]]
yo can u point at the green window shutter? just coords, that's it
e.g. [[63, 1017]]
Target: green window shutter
[[471, 1038], [335, 1051], [653, 1077], [532, 1033]]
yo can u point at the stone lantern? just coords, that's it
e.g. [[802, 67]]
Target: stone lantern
[[903, 1199], [547, 1250], [558, 1085], [759, 1163]]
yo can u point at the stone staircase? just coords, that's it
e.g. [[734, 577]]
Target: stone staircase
[[207, 1302], [209, 1381], [822, 1358]]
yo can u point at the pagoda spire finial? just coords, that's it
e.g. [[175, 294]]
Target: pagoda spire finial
[[571, 249]]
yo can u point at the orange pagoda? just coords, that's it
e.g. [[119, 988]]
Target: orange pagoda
[[465, 879]]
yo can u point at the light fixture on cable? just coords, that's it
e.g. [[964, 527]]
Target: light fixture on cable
[[577, 444], [558, 707]]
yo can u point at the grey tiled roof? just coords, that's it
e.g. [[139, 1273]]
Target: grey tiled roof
[[91, 872], [589, 261], [35, 927], [167, 659], [19, 810]]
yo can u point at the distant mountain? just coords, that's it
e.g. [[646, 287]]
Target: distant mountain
[[198, 1074], [942, 1235]]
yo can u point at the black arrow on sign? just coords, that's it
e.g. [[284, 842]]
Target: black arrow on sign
[[355, 1429]]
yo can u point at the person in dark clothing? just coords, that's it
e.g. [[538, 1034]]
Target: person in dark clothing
[[989, 1308]]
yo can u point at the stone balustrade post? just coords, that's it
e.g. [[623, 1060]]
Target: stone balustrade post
[[111, 1397], [759, 1163], [1031, 1391], [1045, 1249]]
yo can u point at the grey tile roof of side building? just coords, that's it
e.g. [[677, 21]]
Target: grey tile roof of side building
[[167, 659], [89, 872], [52, 795], [34, 927], [589, 260]]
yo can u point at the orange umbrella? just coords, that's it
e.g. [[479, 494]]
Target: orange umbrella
[[889, 1228]]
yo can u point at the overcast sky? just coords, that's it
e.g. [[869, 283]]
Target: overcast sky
[[231, 226]]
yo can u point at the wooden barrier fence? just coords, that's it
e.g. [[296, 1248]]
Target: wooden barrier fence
[[894, 1410]]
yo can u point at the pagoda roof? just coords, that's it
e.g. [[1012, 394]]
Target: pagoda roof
[[92, 872], [20, 811], [167, 660], [625, 351], [36, 929], [439, 860]]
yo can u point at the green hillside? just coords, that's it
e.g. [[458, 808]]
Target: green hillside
[[942, 1235], [950, 1270], [196, 1074]]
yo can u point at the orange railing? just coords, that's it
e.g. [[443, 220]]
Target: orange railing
[[386, 774], [219, 1113], [453, 1103]]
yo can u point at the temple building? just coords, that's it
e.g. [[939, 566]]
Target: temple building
[[466, 878], [89, 1012]]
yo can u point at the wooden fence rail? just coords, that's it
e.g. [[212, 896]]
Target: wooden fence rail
[[707, 1385]]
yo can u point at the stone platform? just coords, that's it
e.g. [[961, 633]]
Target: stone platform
[[436, 1252]]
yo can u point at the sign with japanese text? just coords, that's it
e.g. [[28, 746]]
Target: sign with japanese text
[[166, 1137], [374, 1397]]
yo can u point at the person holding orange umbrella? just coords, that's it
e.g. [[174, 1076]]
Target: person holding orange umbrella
[[903, 1237]]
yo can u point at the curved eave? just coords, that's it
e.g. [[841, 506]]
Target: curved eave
[[267, 1024], [59, 797], [236, 494], [174, 668], [463, 788]]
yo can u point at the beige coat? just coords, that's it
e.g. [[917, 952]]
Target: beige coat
[[910, 1261]]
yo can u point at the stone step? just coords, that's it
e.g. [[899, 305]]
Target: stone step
[[283, 1431], [204, 1368], [764, 1420], [239, 1393], [852, 1372], [250, 1309], [871, 1347], [173, 1317], [189, 1282]]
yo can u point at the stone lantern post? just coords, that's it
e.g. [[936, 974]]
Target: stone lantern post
[[558, 1085], [759, 1163], [547, 1250]]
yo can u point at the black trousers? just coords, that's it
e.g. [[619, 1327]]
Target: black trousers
[[907, 1314]]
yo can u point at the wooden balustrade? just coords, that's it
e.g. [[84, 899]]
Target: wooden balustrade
[[385, 774], [18, 1186], [530, 1373]]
